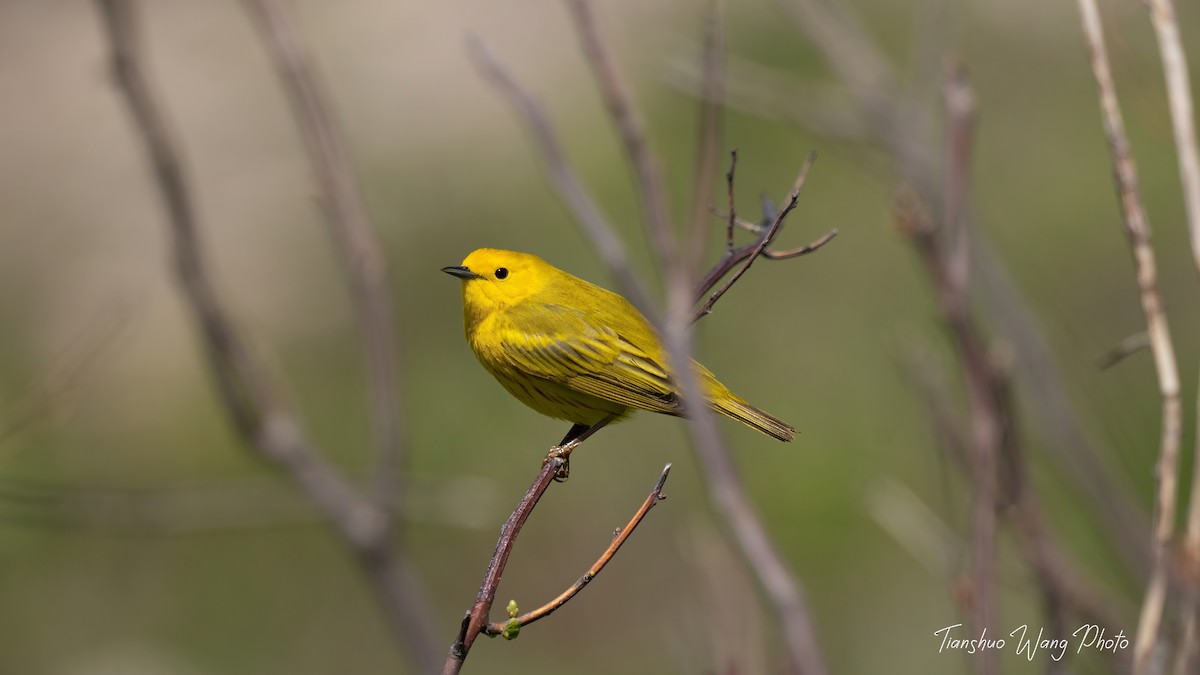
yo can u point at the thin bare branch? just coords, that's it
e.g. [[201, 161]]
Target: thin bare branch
[[1063, 586], [711, 125], [846, 46], [477, 618], [732, 219], [986, 425], [259, 503], [734, 256], [990, 451], [1050, 411], [922, 533], [50, 391], [810, 247], [761, 245], [990, 421], [959, 103], [1179, 96], [507, 628], [771, 93], [783, 591], [725, 489], [570, 189], [887, 120], [1126, 348], [619, 101], [349, 223], [255, 409], [1138, 231]]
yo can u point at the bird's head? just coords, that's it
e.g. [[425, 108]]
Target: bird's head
[[494, 279]]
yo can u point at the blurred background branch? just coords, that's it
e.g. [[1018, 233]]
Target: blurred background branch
[[363, 257], [253, 406], [1137, 228], [724, 488]]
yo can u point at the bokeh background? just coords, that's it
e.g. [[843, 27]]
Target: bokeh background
[[137, 535]]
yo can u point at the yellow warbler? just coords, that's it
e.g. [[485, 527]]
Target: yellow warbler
[[574, 351]]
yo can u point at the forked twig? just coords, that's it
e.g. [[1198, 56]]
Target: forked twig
[[506, 628], [765, 233], [758, 247], [475, 622], [477, 618], [737, 255]]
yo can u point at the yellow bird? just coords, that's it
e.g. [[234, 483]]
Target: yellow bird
[[574, 351]]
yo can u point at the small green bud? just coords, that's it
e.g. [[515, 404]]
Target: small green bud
[[511, 629], [512, 610]]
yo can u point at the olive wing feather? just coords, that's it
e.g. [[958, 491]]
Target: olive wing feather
[[587, 354]]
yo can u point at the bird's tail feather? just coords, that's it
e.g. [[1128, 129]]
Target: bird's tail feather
[[751, 416]]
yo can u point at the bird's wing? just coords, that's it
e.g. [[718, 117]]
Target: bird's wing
[[561, 344]]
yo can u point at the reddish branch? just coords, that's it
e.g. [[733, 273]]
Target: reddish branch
[[250, 400], [652, 500], [476, 620]]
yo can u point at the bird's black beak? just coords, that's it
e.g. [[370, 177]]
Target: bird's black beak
[[462, 272]]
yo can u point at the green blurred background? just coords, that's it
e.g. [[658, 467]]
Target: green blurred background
[[137, 535]]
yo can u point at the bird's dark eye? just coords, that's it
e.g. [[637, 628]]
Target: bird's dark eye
[[501, 272]]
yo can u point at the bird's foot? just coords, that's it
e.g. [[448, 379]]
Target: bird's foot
[[561, 452]]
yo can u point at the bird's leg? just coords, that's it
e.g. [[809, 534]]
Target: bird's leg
[[577, 434], [563, 449]]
